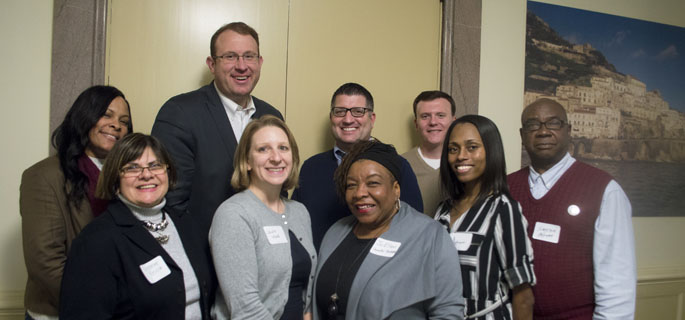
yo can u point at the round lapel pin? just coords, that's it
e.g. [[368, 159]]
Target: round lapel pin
[[573, 210]]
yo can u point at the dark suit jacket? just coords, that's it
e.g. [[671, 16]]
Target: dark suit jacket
[[317, 192], [196, 131], [103, 279], [49, 224]]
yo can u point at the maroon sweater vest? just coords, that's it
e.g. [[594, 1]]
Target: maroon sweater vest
[[565, 278]]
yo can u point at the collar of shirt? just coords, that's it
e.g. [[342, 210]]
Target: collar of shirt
[[338, 153], [238, 116], [541, 183], [232, 107], [433, 163]]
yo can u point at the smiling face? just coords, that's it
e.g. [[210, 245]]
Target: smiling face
[[270, 160], [371, 194], [236, 79], [432, 120], [544, 146], [111, 127], [146, 189], [349, 130], [466, 155]]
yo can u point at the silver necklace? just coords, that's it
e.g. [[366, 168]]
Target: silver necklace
[[157, 228]]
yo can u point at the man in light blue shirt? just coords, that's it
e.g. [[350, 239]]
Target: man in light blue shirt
[[546, 135]]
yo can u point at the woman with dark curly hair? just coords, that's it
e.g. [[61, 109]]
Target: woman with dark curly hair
[[57, 194]]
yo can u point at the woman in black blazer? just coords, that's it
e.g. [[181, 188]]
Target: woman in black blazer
[[139, 260]]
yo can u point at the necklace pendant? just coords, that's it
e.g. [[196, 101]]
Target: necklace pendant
[[163, 239]]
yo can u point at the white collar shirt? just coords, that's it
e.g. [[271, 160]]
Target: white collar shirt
[[541, 183], [238, 116]]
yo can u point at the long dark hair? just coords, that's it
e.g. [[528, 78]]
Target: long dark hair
[[493, 180], [71, 136]]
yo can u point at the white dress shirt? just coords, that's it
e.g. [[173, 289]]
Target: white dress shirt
[[237, 115], [613, 252]]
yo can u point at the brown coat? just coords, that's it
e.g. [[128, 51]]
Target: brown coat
[[49, 224]]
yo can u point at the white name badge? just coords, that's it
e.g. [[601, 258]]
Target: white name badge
[[155, 269], [462, 240], [546, 232], [385, 248], [275, 234]]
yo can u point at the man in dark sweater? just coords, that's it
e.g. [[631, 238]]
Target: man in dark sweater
[[352, 119], [580, 223]]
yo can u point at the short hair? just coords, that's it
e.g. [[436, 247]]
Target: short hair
[[545, 101], [237, 27], [353, 89], [493, 180], [72, 136], [128, 149], [241, 176], [432, 95], [340, 175]]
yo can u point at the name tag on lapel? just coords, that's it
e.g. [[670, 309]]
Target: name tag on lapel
[[385, 248], [155, 269], [546, 232], [275, 234]]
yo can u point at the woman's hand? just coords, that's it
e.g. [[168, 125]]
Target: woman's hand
[[522, 302]]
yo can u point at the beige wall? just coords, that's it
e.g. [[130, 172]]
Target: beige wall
[[333, 42], [658, 241], [26, 37], [309, 47]]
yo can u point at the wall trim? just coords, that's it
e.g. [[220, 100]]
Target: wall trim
[[651, 274], [11, 303]]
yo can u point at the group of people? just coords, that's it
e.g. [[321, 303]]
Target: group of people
[[194, 220]]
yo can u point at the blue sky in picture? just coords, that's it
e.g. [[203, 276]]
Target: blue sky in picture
[[652, 52]]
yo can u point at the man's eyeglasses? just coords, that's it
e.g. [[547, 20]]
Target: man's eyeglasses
[[535, 125], [356, 112], [135, 170], [232, 57]]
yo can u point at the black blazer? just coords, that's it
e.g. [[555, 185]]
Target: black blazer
[[196, 131], [103, 279]]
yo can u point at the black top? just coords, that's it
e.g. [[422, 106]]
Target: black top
[[302, 266], [337, 274]]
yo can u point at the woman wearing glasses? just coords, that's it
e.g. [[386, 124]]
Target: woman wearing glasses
[[386, 260], [57, 194], [485, 223], [140, 259]]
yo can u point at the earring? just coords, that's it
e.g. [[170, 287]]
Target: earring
[[398, 203]]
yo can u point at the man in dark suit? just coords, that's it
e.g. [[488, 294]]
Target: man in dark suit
[[352, 119], [201, 128]]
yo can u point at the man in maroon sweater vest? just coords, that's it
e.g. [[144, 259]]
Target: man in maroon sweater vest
[[580, 223]]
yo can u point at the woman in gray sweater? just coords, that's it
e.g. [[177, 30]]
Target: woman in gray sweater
[[262, 242]]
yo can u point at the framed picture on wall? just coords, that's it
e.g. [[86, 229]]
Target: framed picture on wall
[[622, 82]]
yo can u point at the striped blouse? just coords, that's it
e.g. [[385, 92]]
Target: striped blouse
[[495, 254]]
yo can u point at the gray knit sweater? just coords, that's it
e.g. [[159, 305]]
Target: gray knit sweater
[[251, 251]]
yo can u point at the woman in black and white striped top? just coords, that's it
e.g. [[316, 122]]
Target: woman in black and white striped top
[[485, 223]]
